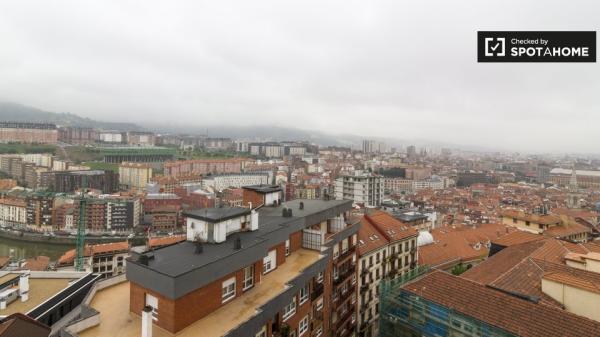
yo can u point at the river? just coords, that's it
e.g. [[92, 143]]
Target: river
[[23, 249]]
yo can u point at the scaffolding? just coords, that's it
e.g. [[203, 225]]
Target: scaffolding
[[405, 314]]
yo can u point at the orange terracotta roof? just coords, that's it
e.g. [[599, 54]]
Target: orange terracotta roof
[[69, 256], [392, 228], [164, 241], [547, 219], [574, 277], [369, 238], [38, 263], [515, 315], [516, 238]]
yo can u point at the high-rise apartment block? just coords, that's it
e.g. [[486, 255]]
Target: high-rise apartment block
[[363, 187]]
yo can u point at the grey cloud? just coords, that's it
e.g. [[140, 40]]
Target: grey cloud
[[401, 69]]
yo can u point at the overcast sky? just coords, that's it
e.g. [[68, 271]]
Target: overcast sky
[[403, 69]]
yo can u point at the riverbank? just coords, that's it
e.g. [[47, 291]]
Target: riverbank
[[56, 239]]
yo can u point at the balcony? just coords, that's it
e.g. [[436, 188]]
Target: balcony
[[342, 276], [348, 253], [317, 291]]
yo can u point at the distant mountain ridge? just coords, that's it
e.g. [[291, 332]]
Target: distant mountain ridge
[[14, 112]]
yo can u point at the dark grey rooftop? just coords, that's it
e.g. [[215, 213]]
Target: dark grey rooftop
[[263, 188], [181, 259], [406, 217], [217, 214]]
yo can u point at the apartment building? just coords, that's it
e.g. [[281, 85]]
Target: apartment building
[[106, 259], [387, 249], [223, 181], [563, 227], [134, 175], [13, 212], [203, 166], [276, 271], [40, 208], [362, 187], [70, 181], [24, 132]]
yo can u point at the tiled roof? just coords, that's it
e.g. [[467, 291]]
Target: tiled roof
[[389, 226], [164, 241], [369, 238], [517, 316], [69, 256], [574, 277], [498, 264], [517, 237], [547, 219], [454, 245], [520, 268], [568, 228]]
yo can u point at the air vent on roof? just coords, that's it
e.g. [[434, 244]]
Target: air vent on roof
[[237, 243], [286, 212], [301, 206], [199, 248]]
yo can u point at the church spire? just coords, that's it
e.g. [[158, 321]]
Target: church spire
[[573, 181]]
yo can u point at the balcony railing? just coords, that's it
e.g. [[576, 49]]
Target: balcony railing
[[342, 276], [346, 254]]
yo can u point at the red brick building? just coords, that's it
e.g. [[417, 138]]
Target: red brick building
[[264, 272]]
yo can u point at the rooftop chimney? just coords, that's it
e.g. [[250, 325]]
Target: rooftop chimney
[[147, 321], [24, 286], [237, 243]]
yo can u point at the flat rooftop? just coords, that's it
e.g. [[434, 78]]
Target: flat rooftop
[[217, 214], [117, 321], [40, 290], [180, 258]]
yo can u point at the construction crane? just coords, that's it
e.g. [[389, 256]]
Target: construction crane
[[81, 223]]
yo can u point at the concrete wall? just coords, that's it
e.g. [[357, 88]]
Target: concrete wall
[[575, 300]]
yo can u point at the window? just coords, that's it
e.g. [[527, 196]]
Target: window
[[303, 326], [248, 277], [344, 246], [228, 288], [304, 294], [287, 247], [153, 302], [319, 305], [262, 332], [320, 277], [289, 309], [319, 331], [514, 220], [527, 223], [270, 261]]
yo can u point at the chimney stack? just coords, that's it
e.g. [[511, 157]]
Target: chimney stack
[[147, 321], [237, 243], [24, 286]]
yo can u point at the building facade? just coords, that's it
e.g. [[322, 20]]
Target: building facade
[[363, 188], [254, 275]]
